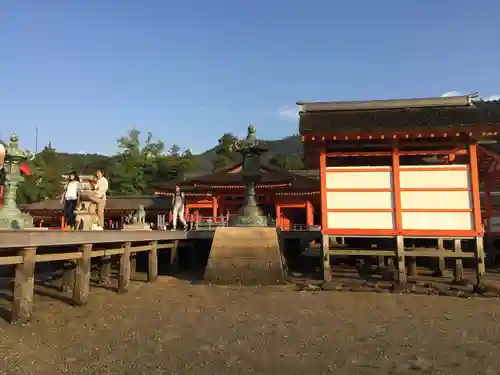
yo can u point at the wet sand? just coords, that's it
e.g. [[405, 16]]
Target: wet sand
[[173, 327]]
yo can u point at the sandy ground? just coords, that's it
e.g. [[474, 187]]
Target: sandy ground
[[172, 327]]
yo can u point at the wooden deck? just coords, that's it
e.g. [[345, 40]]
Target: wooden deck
[[39, 238]]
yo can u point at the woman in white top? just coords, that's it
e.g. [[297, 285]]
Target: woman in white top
[[70, 199]]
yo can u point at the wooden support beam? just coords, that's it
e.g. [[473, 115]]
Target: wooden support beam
[[400, 256], [412, 266], [133, 263], [82, 276], [174, 258], [325, 258], [124, 276], [105, 270], [458, 270], [153, 262], [24, 287], [68, 278], [480, 263], [440, 261]]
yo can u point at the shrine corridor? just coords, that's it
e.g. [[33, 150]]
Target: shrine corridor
[[172, 327]]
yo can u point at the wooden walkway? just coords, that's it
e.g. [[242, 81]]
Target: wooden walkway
[[23, 249]]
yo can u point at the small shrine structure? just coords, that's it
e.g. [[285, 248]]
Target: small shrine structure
[[289, 197], [406, 169]]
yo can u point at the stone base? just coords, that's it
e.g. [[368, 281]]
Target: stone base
[[14, 219], [247, 256], [249, 216], [136, 227]]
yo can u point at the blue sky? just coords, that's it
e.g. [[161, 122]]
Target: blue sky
[[86, 71]]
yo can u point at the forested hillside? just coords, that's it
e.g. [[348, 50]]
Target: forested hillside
[[138, 165]]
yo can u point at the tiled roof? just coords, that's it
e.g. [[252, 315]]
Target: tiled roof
[[366, 119], [222, 177]]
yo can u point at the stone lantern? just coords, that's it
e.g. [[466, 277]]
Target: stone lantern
[[11, 217]]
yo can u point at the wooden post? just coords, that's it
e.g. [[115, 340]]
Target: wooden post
[[458, 270], [480, 266], [174, 258], [24, 287], [441, 261], [124, 276], [68, 278], [133, 263], [400, 256], [325, 256], [82, 276], [153, 262], [412, 266], [105, 271]]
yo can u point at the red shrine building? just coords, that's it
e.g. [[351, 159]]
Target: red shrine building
[[292, 198], [403, 169]]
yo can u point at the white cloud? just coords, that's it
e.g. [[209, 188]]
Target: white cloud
[[458, 93], [452, 93], [288, 112]]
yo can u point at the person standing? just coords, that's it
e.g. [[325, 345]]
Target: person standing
[[70, 198], [98, 195], [178, 208]]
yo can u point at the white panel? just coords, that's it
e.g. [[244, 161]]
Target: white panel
[[438, 220], [434, 179], [368, 180], [359, 200], [436, 199], [361, 220]]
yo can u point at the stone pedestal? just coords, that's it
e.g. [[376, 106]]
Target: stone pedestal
[[249, 216], [247, 256], [136, 227], [11, 218], [86, 215]]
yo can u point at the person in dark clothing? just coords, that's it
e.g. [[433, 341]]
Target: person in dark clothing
[[70, 199]]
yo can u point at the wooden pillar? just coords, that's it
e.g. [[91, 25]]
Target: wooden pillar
[[214, 207], [441, 261], [480, 266], [458, 270], [133, 263], [400, 257], [24, 287], [82, 276], [124, 276], [412, 266], [68, 278], [476, 200], [309, 214], [105, 270], [325, 258], [174, 258], [488, 205], [474, 170], [153, 262], [278, 215]]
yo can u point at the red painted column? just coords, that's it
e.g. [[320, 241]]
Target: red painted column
[[309, 214], [278, 215], [488, 205]]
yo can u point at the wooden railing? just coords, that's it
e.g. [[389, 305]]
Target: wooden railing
[[78, 279]]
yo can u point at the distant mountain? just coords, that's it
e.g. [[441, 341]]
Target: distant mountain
[[289, 146]]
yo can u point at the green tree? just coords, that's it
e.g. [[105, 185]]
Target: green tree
[[279, 160], [224, 152], [45, 181]]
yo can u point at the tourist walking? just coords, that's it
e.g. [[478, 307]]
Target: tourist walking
[[70, 198], [178, 204], [98, 196]]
